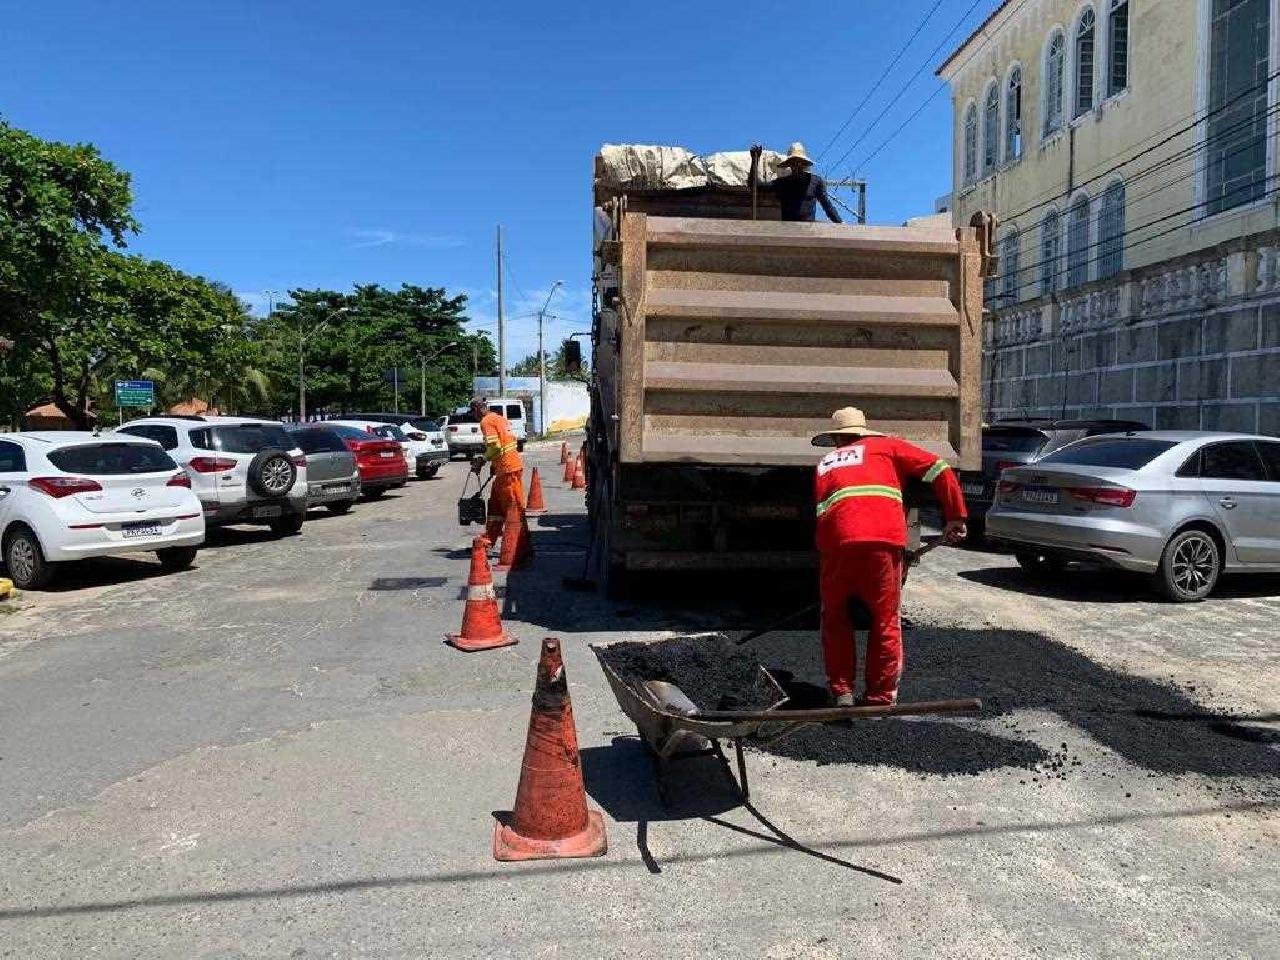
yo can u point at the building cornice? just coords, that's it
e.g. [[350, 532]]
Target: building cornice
[[946, 70]]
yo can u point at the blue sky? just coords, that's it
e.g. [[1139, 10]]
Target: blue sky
[[279, 144]]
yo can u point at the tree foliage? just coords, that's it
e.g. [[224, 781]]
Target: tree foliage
[[556, 368]]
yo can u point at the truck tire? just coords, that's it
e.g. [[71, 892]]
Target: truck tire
[[272, 473]]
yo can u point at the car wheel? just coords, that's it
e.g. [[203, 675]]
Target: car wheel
[[426, 473], [23, 556], [177, 558], [288, 526], [1189, 568], [339, 508], [373, 493], [1040, 564], [272, 473]]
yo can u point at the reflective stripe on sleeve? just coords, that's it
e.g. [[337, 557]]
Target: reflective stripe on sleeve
[[934, 472], [868, 490]]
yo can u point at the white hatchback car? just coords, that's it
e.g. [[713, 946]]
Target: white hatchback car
[[69, 495], [243, 470]]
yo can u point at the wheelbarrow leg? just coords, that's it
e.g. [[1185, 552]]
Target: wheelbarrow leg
[[744, 787]]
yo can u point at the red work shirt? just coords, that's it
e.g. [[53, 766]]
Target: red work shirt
[[858, 489]]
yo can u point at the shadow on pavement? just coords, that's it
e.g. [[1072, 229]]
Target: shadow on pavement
[[106, 572], [1086, 584]]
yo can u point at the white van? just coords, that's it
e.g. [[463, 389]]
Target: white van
[[513, 409]]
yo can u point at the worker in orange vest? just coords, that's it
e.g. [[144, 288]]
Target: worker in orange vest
[[503, 456], [862, 538]]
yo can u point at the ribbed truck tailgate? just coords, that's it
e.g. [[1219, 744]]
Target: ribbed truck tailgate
[[737, 339]]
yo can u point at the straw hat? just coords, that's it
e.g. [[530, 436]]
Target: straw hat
[[847, 422], [796, 154]]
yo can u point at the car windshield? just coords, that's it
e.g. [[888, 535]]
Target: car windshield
[[1130, 453], [251, 437], [112, 459], [1012, 441]]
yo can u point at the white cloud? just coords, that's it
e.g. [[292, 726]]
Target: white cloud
[[366, 238]]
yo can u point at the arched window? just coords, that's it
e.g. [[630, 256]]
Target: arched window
[[1118, 47], [1111, 231], [1010, 280], [1013, 117], [1084, 62], [1050, 247], [971, 144], [1053, 84], [1078, 242], [991, 129]]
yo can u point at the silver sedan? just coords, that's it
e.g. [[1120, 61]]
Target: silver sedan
[[1182, 506]]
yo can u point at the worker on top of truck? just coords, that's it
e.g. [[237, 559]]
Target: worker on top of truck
[[503, 456], [800, 191], [862, 535]]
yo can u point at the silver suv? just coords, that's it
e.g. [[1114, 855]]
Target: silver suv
[[243, 470]]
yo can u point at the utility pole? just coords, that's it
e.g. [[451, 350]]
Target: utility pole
[[542, 363], [302, 373], [395, 386], [422, 387], [502, 333]]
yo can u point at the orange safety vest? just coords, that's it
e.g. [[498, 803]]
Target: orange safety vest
[[500, 447]]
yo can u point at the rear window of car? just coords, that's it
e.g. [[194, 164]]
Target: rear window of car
[[513, 411], [1012, 441], [390, 432], [112, 459], [251, 437], [427, 425], [1129, 453], [350, 433], [319, 441], [167, 437], [466, 416]]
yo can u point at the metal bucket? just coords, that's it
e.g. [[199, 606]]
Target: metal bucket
[[472, 509]]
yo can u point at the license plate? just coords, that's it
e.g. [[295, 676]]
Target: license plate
[[387, 454], [1040, 495], [972, 489], [268, 511], [132, 531]]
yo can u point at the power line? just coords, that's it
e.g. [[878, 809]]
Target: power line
[[876, 86], [915, 76]]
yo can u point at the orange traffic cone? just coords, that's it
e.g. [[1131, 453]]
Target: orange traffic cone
[[537, 506], [517, 544], [551, 819], [580, 475], [481, 623], [564, 452]]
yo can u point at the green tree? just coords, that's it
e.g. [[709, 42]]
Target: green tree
[[556, 369]]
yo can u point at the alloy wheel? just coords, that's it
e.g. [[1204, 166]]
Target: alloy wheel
[[275, 475], [1194, 564], [22, 559]]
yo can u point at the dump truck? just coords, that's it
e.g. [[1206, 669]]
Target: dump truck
[[723, 343]]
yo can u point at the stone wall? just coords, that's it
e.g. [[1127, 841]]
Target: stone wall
[[1192, 343]]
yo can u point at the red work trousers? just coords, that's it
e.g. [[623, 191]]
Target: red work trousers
[[872, 573], [508, 488]]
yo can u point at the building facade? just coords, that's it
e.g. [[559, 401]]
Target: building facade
[[1129, 149]]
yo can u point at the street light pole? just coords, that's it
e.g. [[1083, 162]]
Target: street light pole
[[302, 370], [542, 362], [422, 384]]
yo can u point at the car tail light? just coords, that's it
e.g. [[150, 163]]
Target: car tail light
[[179, 480], [1006, 464], [212, 464], [1107, 496], [59, 487], [299, 461], [453, 429], [1007, 486]]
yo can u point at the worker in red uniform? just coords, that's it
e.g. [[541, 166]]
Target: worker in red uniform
[[862, 536], [503, 456]]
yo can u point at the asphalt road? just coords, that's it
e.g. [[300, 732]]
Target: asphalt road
[[273, 755]]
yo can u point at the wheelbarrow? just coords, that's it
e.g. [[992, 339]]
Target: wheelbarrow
[[671, 725]]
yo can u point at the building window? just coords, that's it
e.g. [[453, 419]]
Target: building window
[[1236, 147], [1111, 232], [1053, 84], [971, 144], [1013, 117], [1078, 242], [991, 129], [1050, 245], [1009, 280], [1118, 47], [1084, 62]]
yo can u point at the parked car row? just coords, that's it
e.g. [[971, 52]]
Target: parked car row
[[157, 484], [1183, 507]]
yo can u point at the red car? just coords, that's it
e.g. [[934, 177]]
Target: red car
[[380, 462]]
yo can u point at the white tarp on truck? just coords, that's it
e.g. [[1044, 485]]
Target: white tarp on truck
[[622, 167]]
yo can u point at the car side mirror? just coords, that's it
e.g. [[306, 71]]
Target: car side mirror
[[573, 357]]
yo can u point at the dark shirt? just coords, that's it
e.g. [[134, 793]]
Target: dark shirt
[[799, 194]]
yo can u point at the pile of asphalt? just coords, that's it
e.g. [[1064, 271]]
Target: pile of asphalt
[[1156, 726]]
